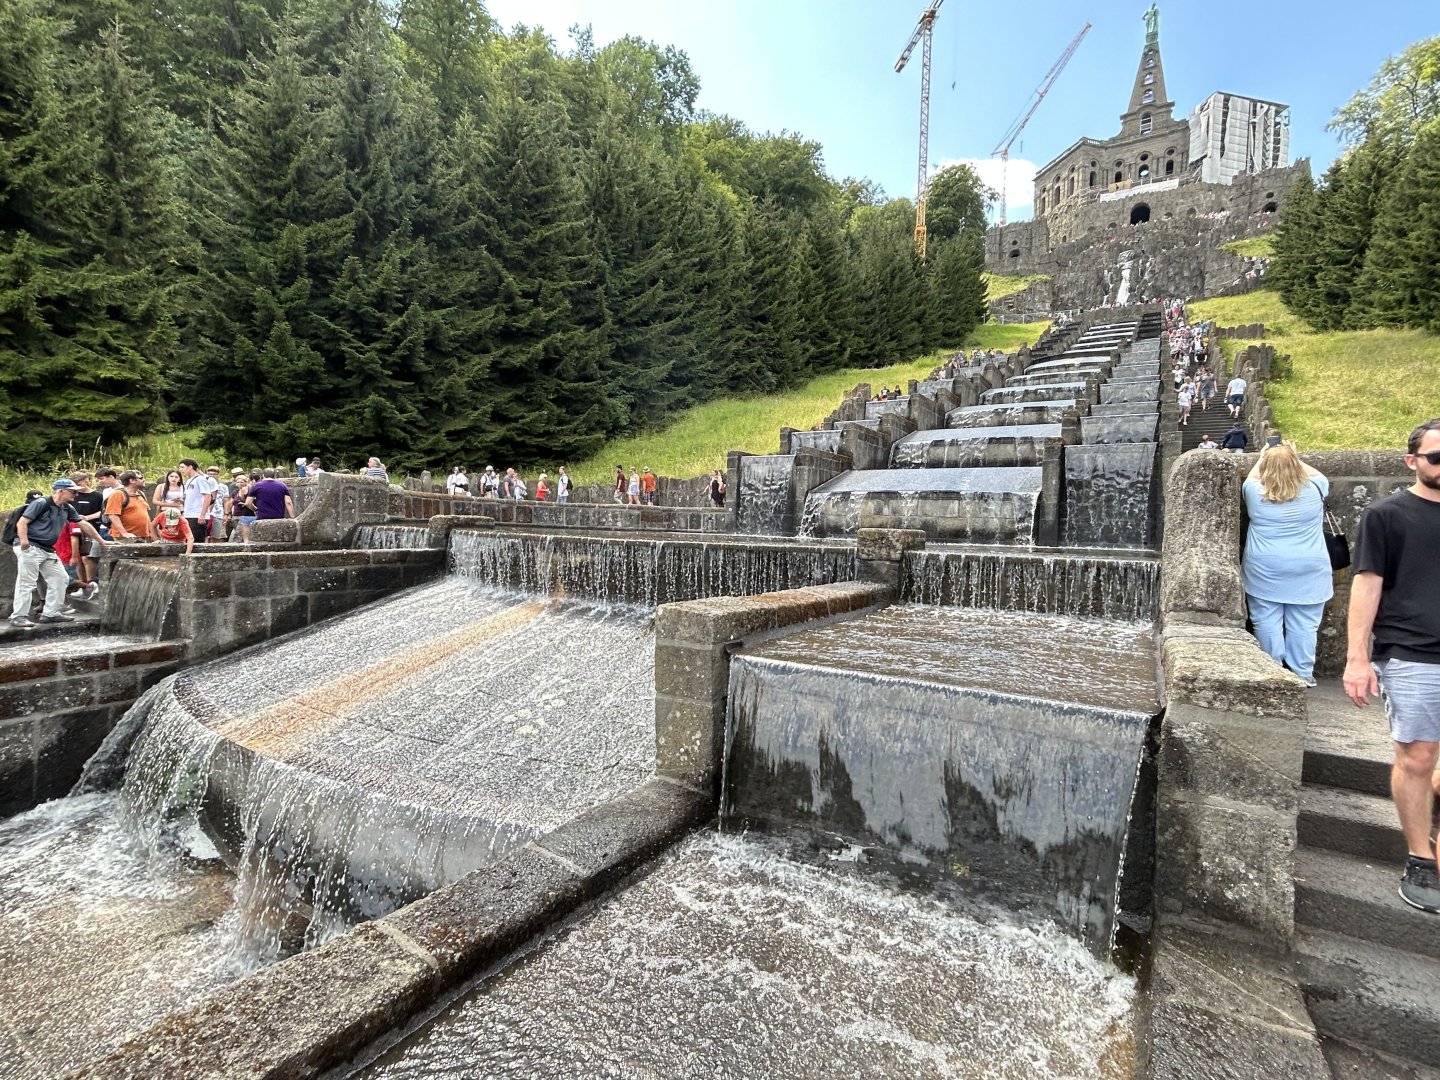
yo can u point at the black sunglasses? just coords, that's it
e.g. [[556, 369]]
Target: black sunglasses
[[1432, 456]]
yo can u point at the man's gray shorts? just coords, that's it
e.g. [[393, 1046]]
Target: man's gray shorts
[[1411, 693]]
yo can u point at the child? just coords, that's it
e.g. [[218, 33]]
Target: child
[[171, 527]]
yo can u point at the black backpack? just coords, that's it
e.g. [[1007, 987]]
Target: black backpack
[[11, 533]]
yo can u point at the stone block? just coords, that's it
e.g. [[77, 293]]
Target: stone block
[[1200, 554], [306, 560], [607, 842], [216, 587], [15, 671], [888, 544], [217, 563], [17, 766], [288, 613], [1227, 861], [321, 579], [1230, 676], [383, 577], [113, 686], [160, 653], [294, 1018], [325, 604], [689, 670], [473, 923], [63, 743], [82, 665], [689, 735], [1253, 760], [1219, 1007], [48, 696], [263, 583]]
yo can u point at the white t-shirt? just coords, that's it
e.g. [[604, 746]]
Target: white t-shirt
[[196, 488], [1236, 386], [1184, 398]]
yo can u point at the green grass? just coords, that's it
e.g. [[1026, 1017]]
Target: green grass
[[153, 454], [698, 440], [1346, 390], [1260, 306], [999, 286], [1254, 247]]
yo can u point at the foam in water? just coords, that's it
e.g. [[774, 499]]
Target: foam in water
[[730, 959], [102, 935]]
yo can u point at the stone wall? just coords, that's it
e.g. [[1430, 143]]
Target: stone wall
[[414, 506], [58, 701], [327, 509], [228, 601], [1233, 736]]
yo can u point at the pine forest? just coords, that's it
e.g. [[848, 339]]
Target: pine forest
[[347, 227]]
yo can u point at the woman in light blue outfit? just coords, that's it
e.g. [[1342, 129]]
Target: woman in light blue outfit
[[1286, 568]]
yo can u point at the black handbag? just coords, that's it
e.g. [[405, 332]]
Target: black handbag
[[1336, 545]]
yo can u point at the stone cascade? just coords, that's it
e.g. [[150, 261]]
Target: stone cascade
[[1061, 451]]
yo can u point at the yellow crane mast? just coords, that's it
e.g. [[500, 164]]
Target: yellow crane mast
[[924, 32]]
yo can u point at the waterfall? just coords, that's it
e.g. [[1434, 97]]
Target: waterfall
[[1109, 493], [763, 503], [642, 571], [1087, 586], [140, 597], [392, 536]]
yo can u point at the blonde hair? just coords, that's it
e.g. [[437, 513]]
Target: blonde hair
[[1281, 474]]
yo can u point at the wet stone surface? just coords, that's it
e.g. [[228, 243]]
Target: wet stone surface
[[730, 959], [98, 936]]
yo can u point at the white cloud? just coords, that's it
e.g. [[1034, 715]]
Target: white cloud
[[1019, 182]]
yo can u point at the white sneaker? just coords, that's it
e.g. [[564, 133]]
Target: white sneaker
[[92, 590]]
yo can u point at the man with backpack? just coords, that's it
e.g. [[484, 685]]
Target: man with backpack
[[127, 509], [33, 533]]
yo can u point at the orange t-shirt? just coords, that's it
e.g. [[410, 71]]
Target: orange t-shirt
[[178, 535], [134, 515], [647, 482]]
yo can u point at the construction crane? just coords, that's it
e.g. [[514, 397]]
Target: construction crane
[[924, 31], [1007, 140]]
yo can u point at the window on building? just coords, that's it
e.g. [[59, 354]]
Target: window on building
[[1140, 214], [1070, 185], [1144, 173], [1119, 176], [1014, 253], [1170, 167], [1145, 124], [1148, 96], [1092, 177], [1149, 60], [1149, 77]]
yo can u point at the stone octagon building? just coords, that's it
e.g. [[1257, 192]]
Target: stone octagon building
[[1144, 213]]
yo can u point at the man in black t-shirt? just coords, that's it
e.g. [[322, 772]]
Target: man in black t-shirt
[[1395, 595]]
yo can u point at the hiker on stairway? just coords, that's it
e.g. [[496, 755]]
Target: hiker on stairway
[[1395, 597]]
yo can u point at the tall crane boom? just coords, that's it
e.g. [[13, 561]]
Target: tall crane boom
[[1008, 139], [924, 32]]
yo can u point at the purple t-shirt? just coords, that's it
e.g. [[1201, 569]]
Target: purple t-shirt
[[270, 498]]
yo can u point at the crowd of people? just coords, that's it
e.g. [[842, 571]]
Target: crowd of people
[[58, 538]]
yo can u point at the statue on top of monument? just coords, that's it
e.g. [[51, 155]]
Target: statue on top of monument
[[1152, 22]]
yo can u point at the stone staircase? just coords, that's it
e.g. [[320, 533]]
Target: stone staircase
[[1369, 964], [1214, 422]]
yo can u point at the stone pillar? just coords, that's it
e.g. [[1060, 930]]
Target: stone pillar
[[694, 642], [785, 439], [879, 553]]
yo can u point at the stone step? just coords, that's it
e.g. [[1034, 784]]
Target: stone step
[[1345, 894], [1346, 747], [85, 621], [1351, 823], [1348, 1061], [1370, 995]]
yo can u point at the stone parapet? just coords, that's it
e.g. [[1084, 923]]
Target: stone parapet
[[410, 506], [57, 707], [232, 600], [694, 642]]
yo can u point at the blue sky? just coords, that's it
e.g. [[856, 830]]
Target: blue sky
[[826, 69]]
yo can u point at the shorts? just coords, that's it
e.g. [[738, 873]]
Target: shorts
[[1411, 693], [1235, 399], [246, 520]]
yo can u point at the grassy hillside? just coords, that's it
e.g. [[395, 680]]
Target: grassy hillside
[[1347, 390], [700, 438], [1254, 247], [999, 286]]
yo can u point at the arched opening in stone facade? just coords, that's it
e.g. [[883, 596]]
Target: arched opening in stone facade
[[1170, 167], [1148, 96], [1140, 214], [1070, 185], [1269, 208], [1092, 177], [1143, 173], [1014, 253]]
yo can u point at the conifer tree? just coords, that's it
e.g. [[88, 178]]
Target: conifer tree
[[1400, 283], [1353, 198], [1297, 260]]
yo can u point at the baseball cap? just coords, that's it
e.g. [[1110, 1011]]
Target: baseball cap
[[32, 495], [237, 472], [64, 484], [172, 515]]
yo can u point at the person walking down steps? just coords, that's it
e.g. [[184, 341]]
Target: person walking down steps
[[1393, 647]]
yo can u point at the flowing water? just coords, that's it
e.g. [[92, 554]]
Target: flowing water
[[961, 505], [987, 447], [1006, 751], [1055, 583], [829, 441], [392, 536], [1109, 493], [730, 958], [764, 496], [1120, 429], [140, 598], [644, 571]]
